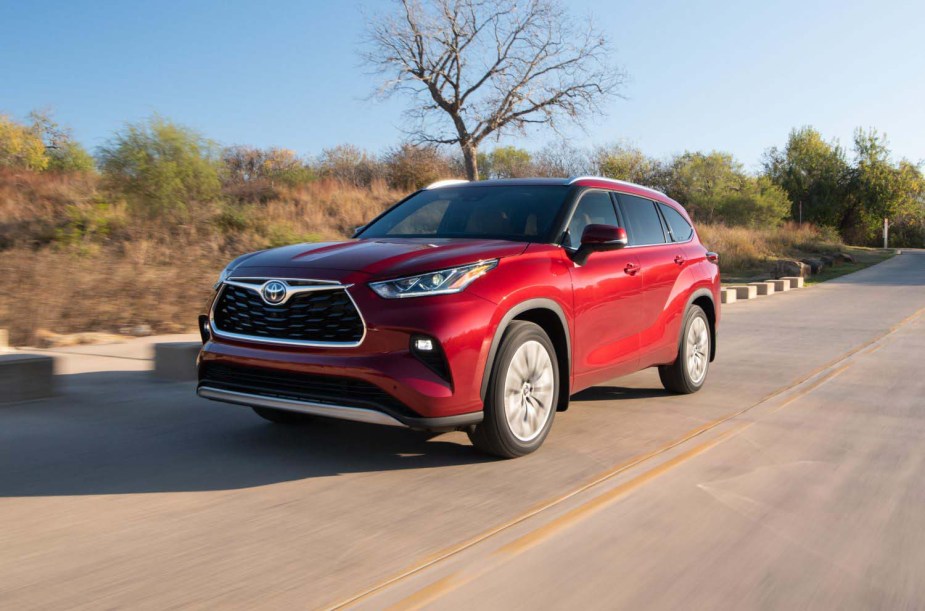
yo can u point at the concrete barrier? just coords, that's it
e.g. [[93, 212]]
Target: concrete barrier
[[176, 361], [763, 288], [745, 291], [780, 285], [4, 341], [26, 376], [796, 282], [727, 295]]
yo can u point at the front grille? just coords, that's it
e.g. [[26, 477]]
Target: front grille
[[333, 390], [327, 316]]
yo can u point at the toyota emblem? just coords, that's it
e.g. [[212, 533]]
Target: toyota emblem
[[274, 292]]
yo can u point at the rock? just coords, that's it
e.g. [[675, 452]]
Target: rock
[[844, 257], [815, 265], [789, 267], [827, 259]]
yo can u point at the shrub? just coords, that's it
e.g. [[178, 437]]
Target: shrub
[[411, 167], [21, 148], [161, 167]]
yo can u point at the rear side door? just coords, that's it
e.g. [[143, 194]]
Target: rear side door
[[660, 262], [607, 290]]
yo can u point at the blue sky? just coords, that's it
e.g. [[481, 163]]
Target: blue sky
[[734, 76]]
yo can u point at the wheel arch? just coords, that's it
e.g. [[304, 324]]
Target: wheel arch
[[549, 316], [704, 298]]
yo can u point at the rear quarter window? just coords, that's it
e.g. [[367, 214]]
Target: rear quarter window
[[681, 230]]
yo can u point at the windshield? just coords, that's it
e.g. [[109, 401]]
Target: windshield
[[508, 212]]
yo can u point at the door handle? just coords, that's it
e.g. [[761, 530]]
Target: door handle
[[679, 260], [631, 269]]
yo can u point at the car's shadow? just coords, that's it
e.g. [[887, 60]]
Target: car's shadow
[[121, 432], [616, 393]]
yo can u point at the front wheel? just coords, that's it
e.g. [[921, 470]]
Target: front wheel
[[689, 371], [522, 394]]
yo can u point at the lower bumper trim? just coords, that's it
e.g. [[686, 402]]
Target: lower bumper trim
[[340, 412]]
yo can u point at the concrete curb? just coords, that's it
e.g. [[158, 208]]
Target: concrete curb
[[796, 282], [26, 376], [745, 292], [727, 295], [763, 288], [780, 285], [176, 361]]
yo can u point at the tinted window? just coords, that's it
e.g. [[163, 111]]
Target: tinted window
[[519, 213], [680, 229], [595, 207], [642, 221]]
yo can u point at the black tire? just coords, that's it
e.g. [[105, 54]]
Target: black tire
[[494, 434], [280, 416], [676, 377]]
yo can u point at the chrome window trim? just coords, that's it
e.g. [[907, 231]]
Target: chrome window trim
[[318, 285], [618, 211]]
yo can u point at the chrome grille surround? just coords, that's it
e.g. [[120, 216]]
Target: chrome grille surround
[[294, 286]]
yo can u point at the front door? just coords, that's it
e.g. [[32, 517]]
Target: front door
[[607, 292]]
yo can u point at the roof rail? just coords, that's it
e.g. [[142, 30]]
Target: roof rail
[[445, 183], [573, 179]]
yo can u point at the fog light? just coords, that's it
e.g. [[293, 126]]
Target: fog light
[[424, 344]]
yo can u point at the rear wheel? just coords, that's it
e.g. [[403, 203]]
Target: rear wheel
[[280, 416], [522, 394], [689, 371]]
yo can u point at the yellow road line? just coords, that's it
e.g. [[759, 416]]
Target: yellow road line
[[509, 551], [620, 468]]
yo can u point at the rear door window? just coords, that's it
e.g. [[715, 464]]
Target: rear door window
[[680, 229], [643, 225]]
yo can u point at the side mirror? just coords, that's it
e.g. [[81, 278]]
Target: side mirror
[[603, 237], [599, 238]]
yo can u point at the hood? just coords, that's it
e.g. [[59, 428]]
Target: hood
[[386, 257]]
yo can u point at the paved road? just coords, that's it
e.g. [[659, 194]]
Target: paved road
[[796, 478]]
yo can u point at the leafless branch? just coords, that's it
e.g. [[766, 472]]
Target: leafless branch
[[489, 66]]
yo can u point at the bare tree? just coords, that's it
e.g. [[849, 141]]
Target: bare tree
[[491, 67]]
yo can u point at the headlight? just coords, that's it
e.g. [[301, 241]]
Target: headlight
[[439, 282]]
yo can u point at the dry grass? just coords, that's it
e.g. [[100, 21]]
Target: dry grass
[[746, 252], [75, 258], [74, 261]]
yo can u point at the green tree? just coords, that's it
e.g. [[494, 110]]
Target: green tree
[[161, 167], [700, 181], [64, 153], [632, 165], [814, 173], [758, 202], [878, 189], [506, 162], [21, 148]]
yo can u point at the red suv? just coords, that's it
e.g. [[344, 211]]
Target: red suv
[[475, 306]]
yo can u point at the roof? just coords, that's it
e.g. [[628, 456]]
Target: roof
[[523, 182]]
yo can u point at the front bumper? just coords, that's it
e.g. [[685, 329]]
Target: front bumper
[[419, 396], [340, 412]]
